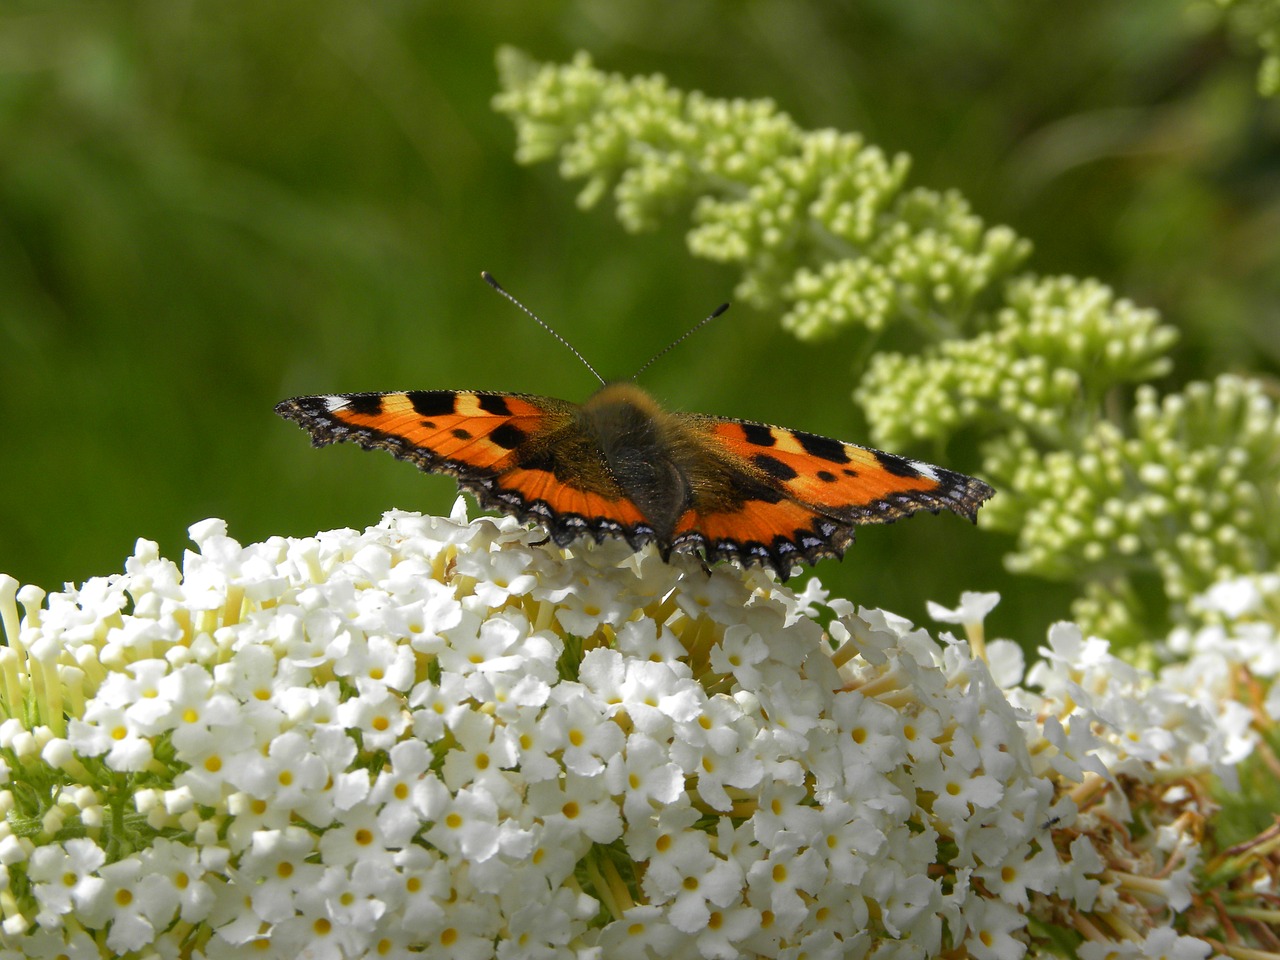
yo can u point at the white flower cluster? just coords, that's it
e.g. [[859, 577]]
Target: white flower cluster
[[1240, 630], [436, 738]]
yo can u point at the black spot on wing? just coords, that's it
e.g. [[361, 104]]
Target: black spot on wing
[[898, 466], [461, 433], [823, 448], [493, 404], [758, 434], [366, 404], [826, 476], [774, 467], [432, 403], [507, 436]]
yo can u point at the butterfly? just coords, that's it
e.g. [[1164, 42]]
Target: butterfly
[[619, 465]]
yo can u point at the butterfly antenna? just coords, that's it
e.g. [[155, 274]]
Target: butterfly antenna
[[681, 339], [488, 278]]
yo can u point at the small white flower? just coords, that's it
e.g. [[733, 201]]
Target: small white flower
[[65, 877], [738, 653], [353, 898], [848, 842], [641, 933], [464, 824], [578, 721], [645, 641], [541, 930], [355, 838], [644, 776], [581, 803], [426, 888], [493, 647], [869, 735], [287, 776], [713, 769], [107, 731], [378, 713], [199, 716], [395, 792], [483, 748], [537, 742], [972, 611], [726, 932], [1237, 597], [135, 904], [555, 851], [183, 869], [437, 705], [660, 694], [992, 924], [376, 662], [277, 866], [784, 879], [470, 926], [498, 575]]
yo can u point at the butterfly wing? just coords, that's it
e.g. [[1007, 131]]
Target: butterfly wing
[[522, 455], [777, 496]]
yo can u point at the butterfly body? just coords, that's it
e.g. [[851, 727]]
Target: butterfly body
[[619, 465]]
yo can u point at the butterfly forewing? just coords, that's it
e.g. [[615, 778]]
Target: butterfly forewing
[[465, 434]]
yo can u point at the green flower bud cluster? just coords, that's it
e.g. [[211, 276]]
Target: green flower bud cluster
[[1055, 350], [1188, 490], [819, 221]]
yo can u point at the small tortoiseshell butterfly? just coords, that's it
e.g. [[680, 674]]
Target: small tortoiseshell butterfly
[[621, 466]]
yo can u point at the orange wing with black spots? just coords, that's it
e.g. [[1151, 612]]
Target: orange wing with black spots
[[794, 496], [621, 466], [514, 453]]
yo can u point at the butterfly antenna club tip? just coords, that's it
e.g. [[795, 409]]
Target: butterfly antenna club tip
[[488, 278], [682, 338]]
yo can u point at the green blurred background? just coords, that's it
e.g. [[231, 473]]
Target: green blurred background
[[207, 207]]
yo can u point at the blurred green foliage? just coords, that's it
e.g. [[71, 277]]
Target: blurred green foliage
[[205, 208]]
